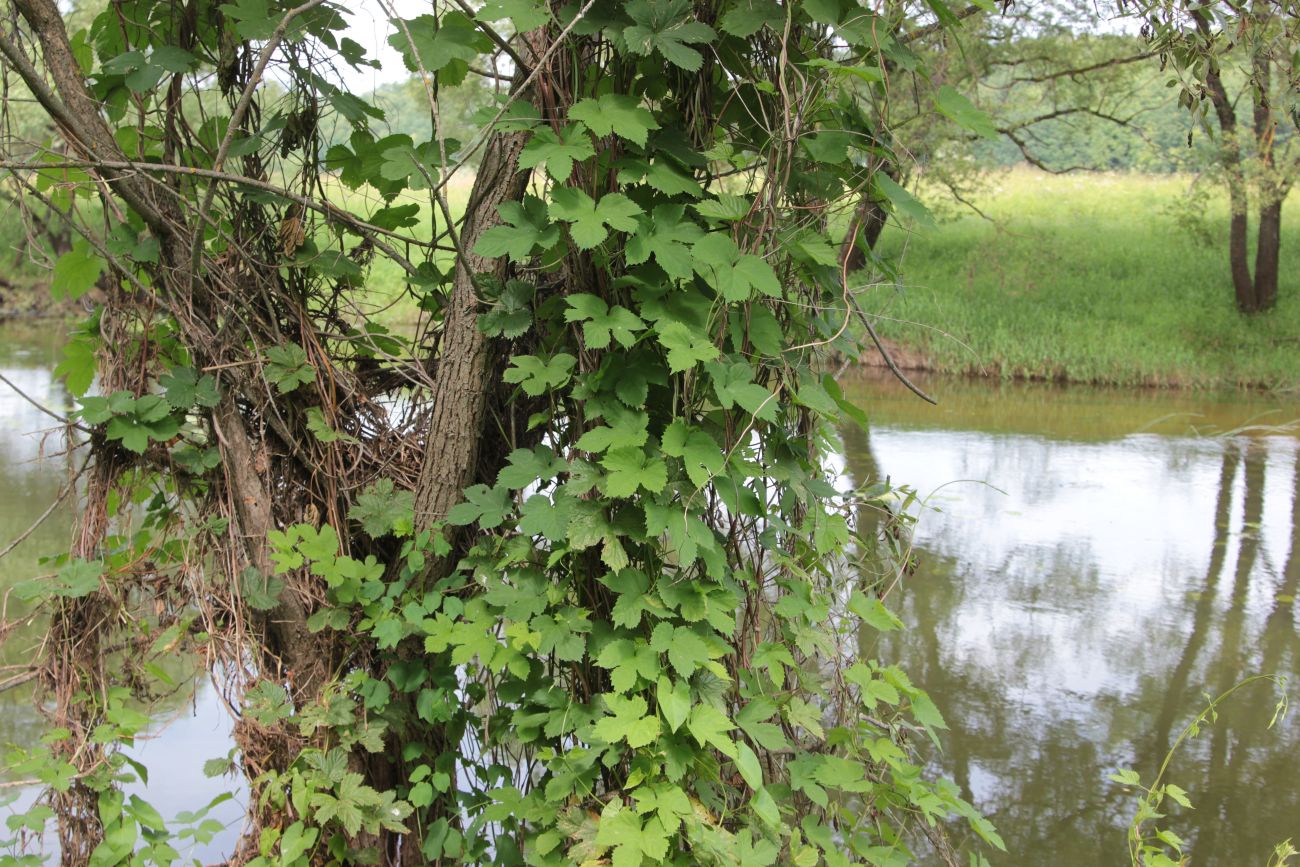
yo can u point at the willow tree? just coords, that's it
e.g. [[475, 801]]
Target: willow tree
[[559, 575], [1236, 68]]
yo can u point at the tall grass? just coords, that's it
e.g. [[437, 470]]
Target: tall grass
[[1113, 278]]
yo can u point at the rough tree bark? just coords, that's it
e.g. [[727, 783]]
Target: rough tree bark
[[1255, 293], [1269, 243], [460, 391]]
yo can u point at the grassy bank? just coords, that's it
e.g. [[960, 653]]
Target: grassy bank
[[1090, 278]]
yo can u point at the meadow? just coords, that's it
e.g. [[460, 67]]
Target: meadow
[[1104, 278]]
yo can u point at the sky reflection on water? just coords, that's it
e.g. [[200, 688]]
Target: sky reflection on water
[[1076, 596]]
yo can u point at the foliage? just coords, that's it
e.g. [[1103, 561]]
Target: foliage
[[559, 576], [1153, 846], [1207, 48]]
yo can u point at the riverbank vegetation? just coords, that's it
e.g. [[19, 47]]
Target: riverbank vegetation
[[561, 571], [558, 575], [1115, 278]]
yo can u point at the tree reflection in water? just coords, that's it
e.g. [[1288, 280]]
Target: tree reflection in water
[[1072, 625]]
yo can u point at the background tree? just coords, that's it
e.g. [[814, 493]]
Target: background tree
[[1234, 67]]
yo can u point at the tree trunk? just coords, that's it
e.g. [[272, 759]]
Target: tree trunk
[[461, 389], [869, 220], [460, 392], [1270, 200], [1267, 255], [1230, 157], [1237, 252]]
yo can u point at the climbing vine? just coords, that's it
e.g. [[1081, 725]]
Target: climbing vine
[[559, 575]]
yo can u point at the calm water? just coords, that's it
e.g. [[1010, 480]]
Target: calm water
[[1092, 563], [191, 726]]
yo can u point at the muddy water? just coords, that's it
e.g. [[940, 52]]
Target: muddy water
[[1091, 565], [1091, 562]]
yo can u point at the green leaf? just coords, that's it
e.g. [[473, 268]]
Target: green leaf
[[412, 166], [628, 722], [542, 516], [674, 701], [829, 146], [726, 206], [527, 226], [589, 220], [904, 203], [629, 469], [873, 612], [525, 15], [1126, 777], [699, 452], [1178, 794], [184, 387], [813, 247], [963, 112], [526, 466], [687, 651], [117, 845], [558, 151], [253, 19], [600, 324], [628, 661], [298, 839], [145, 813], [686, 347], [260, 592], [733, 274], [663, 177], [321, 429], [537, 376], [926, 712], [76, 271], [734, 386], [623, 427], [435, 44], [621, 828], [76, 579], [287, 367], [667, 26], [486, 506], [173, 58], [616, 113], [511, 315], [747, 763], [137, 421], [77, 365], [381, 509], [709, 727], [750, 16], [667, 237]]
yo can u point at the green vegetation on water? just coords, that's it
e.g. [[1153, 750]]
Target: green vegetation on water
[[1090, 278]]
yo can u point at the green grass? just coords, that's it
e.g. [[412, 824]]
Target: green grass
[[386, 297], [1090, 278]]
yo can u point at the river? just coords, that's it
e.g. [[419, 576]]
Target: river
[[1090, 563]]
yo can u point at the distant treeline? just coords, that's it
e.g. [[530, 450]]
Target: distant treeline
[[1122, 118]]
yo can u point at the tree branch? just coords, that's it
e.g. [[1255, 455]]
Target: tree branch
[[935, 26], [1084, 70]]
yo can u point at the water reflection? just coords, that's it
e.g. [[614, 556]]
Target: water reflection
[[1080, 587], [192, 726]]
